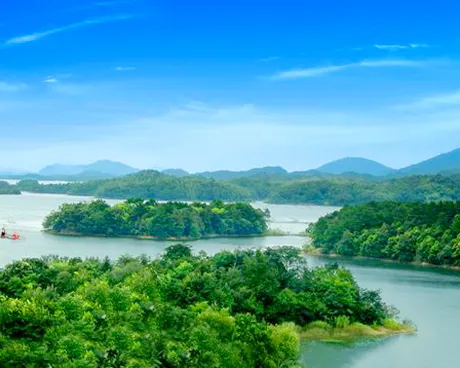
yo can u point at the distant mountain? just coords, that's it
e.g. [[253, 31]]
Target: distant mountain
[[102, 168], [444, 163], [355, 165], [227, 175], [176, 172]]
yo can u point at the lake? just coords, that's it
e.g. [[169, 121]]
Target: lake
[[44, 182], [429, 297], [25, 214]]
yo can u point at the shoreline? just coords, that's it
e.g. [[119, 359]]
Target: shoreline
[[318, 253], [323, 332], [247, 200], [170, 239]]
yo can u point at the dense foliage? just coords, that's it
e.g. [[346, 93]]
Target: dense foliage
[[235, 309], [147, 185], [341, 191], [137, 217], [293, 188], [6, 188], [407, 232]]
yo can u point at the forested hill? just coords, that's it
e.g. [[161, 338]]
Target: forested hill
[[343, 190], [356, 165], [137, 217], [307, 190], [147, 185], [235, 309], [407, 232]]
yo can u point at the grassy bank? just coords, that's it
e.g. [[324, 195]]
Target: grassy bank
[[344, 331]]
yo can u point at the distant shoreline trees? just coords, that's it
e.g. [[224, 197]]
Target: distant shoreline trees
[[334, 191], [405, 232]]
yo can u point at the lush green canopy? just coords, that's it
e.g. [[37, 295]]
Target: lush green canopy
[[329, 190], [408, 232], [147, 185], [235, 309], [137, 217]]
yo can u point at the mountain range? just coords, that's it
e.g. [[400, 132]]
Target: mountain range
[[351, 166], [228, 175], [356, 165], [101, 168], [444, 163]]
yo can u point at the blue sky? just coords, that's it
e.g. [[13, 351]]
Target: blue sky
[[207, 85]]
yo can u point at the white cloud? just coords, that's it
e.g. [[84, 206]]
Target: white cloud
[[439, 101], [125, 68], [12, 87], [72, 89], [320, 71], [56, 78], [38, 35], [239, 137], [252, 135], [418, 45], [50, 80], [397, 47]]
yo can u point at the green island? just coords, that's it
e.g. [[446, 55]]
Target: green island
[[151, 219], [407, 232], [234, 309], [6, 188], [284, 189]]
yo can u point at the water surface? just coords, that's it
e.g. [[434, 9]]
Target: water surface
[[428, 297], [25, 214]]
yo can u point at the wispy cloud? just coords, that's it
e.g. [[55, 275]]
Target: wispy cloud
[[324, 70], [50, 80], [85, 23], [12, 87], [396, 47], [443, 100], [270, 58], [125, 68], [56, 78]]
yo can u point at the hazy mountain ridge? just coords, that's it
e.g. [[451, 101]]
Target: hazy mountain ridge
[[356, 165], [443, 163], [99, 168], [228, 175]]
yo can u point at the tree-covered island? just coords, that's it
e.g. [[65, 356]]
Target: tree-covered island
[[151, 219], [242, 309], [405, 232]]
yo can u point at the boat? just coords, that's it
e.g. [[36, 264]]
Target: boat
[[11, 237]]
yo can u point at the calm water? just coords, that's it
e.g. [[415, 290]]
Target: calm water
[[44, 182], [429, 297], [25, 215]]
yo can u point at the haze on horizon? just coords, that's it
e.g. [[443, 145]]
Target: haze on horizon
[[208, 86]]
